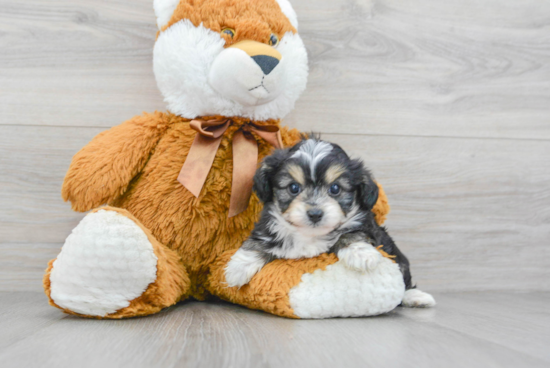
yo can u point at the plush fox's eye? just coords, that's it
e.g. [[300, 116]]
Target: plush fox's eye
[[273, 40], [228, 31]]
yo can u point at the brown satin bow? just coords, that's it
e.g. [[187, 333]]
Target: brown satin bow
[[245, 157]]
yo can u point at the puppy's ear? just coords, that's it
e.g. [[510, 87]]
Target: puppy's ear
[[368, 189], [263, 179], [370, 194]]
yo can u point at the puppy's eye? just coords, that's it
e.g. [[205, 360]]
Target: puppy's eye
[[228, 31], [334, 189], [273, 40], [294, 188]]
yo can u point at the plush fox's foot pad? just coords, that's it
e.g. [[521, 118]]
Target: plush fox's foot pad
[[104, 264], [341, 291]]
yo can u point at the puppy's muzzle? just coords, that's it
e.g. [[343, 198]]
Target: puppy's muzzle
[[265, 56], [315, 215]]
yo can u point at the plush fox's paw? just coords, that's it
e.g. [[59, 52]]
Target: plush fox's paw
[[105, 263], [415, 298], [244, 264], [319, 287], [360, 256]]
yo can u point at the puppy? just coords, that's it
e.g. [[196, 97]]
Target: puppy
[[316, 200]]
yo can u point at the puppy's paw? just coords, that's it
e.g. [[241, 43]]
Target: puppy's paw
[[242, 267], [360, 256], [415, 298]]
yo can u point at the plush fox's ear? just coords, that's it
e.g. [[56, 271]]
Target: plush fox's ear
[[287, 9], [164, 10]]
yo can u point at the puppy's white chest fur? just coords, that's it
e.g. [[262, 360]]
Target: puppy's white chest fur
[[299, 243], [303, 246]]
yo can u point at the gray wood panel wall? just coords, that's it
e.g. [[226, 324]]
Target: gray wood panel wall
[[447, 101]]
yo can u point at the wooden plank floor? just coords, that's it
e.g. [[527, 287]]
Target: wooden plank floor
[[447, 101], [493, 329]]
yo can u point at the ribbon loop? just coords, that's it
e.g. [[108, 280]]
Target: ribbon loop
[[269, 133], [210, 128], [202, 153]]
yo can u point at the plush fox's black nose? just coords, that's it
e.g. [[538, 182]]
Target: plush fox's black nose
[[315, 215], [267, 63]]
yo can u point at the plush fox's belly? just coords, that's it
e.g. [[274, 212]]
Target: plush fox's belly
[[197, 228]]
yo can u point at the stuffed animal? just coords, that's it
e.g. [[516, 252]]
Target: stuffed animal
[[177, 185]]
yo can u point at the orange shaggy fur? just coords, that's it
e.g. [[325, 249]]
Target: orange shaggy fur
[[257, 20], [133, 168]]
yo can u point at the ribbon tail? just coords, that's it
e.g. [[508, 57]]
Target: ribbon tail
[[198, 163], [245, 160]]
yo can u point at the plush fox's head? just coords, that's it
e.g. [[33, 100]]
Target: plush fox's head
[[229, 57]]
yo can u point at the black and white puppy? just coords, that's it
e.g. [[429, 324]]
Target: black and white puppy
[[317, 200]]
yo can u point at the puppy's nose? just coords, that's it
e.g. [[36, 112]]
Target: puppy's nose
[[266, 62], [315, 215]]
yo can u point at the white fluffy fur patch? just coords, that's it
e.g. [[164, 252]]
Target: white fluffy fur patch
[[298, 242], [164, 10], [313, 152], [236, 75], [242, 267], [105, 263], [182, 61], [415, 298], [339, 291]]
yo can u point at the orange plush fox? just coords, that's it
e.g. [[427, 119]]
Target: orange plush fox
[[240, 64]]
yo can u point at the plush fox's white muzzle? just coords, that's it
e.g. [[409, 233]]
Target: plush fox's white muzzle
[[248, 72]]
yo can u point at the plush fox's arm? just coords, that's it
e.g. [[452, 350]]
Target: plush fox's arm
[[102, 170]]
